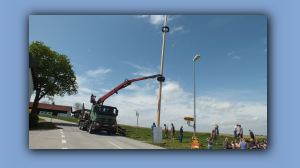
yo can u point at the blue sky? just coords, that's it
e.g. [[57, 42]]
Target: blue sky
[[231, 75]]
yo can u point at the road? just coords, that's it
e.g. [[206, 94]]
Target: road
[[68, 136]]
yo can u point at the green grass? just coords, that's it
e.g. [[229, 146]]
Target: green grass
[[145, 134], [43, 125]]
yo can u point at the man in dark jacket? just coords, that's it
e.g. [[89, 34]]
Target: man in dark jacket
[[181, 134]]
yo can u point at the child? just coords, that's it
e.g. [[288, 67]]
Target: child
[[210, 141], [236, 144], [232, 145]]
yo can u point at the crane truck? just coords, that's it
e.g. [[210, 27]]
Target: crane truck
[[102, 117]]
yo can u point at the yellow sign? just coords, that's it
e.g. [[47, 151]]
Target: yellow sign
[[30, 111], [195, 143], [189, 118]]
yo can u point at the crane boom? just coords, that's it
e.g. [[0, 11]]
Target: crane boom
[[125, 84]]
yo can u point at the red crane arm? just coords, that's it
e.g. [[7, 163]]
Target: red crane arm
[[125, 84]]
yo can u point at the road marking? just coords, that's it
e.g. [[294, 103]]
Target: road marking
[[62, 136], [62, 132], [114, 145], [64, 148], [63, 141]]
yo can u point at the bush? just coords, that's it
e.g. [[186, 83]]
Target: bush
[[33, 120]]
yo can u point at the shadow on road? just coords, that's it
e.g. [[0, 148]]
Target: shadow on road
[[65, 124]]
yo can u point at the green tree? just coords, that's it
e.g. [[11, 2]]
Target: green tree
[[53, 72]]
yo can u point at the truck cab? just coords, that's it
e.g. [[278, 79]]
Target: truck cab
[[103, 118]]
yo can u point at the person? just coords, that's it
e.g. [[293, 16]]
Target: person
[[210, 141], [265, 146], [225, 144], [152, 126], [217, 129], [251, 135], [235, 131], [257, 144], [232, 145], [166, 131], [240, 131], [172, 131], [236, 144], [214, 135], [252, 144], [243, 144], [181, 134], [93, 99]]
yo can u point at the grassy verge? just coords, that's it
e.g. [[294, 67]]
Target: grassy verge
[[42, 124], [145, 134], [74, 120]]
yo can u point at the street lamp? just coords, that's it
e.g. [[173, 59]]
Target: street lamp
[[195, 58]]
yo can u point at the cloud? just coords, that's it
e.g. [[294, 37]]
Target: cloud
[[172, 92], [141, 16], [177, 29], [144, 71], [157, 19], [236, 57], [99, 71], [86, 90], [265, 50], [80, 80], [231, 53]]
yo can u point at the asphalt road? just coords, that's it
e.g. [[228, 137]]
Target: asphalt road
[[68, 136]]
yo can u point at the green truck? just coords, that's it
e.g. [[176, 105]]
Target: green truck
[[100, 117]]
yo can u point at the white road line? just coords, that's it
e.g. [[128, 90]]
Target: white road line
[[64, 148], [63, 141], [62, 132], [114, 145], [62, 136]]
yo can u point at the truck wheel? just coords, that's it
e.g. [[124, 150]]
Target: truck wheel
[[90, 129]]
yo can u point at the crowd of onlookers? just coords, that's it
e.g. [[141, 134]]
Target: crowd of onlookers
[[238, 134]]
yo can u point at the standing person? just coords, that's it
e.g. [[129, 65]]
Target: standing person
[[152, 126], [181, 134], [241, 131], [243, 144], [166, 131], [210, 141], [172, 131], [214, 135], [217, 130], [235, 131], [251, 135]]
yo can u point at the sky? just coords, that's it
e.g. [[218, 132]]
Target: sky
[[231, 74]]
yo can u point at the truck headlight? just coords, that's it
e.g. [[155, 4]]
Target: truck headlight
[[113, 125]]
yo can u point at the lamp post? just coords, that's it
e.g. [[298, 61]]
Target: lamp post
[[195, 58]]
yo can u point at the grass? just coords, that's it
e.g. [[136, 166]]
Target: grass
[[43, 125], [74, 120], [145, 134]]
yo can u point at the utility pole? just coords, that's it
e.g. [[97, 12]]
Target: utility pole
[[137, 122], [164, 29]]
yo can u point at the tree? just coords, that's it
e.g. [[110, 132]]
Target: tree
[[77, 106], [53, 72]]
